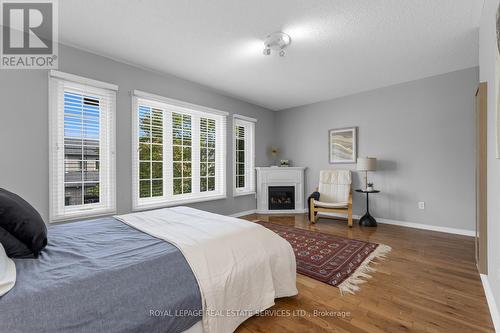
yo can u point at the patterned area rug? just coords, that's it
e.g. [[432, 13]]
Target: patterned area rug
[[338, 261]]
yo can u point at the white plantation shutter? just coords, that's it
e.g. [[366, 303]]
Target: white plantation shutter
[[82, 147], [185, 147], [243, 155]]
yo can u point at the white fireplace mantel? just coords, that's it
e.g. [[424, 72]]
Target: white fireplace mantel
[[279, 176]]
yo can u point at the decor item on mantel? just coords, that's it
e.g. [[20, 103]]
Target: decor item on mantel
[[280, 190], [366, 164], [274, 152], [284, 163], [343, 145]]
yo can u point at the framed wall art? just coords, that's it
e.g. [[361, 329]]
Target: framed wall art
[[343, 145]]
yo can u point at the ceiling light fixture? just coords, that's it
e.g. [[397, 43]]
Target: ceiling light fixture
[[277, 42]]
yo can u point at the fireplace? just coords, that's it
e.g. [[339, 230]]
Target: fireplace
[[281, 197], [280, 190]]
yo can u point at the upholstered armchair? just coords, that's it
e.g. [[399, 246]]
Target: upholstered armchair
[[333, 195]]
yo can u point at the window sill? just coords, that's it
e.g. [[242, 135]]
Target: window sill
[[170, 203], [240, 194]]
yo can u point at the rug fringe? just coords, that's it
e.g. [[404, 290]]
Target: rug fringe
[[350, 285]]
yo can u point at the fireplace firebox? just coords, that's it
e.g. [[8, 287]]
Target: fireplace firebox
[[281, 197]]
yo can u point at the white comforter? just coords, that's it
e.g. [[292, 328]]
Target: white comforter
[[240, 266]]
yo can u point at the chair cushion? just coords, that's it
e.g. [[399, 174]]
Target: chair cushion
[[335, 176], [335, 185], [330, 204]]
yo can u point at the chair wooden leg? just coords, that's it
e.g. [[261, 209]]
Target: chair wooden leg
[[349, 216], [312, 217]]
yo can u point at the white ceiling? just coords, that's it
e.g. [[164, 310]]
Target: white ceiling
[[339, 47]]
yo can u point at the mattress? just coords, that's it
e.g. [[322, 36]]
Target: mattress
[[102, 276], [240, 266]]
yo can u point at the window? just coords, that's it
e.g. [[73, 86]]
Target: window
[[179, 152], [150, 152], [243, 155], [239, 154], [182, 145], [82, 147], [207, 155]]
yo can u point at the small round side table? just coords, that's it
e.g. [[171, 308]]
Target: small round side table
[[367, 220]]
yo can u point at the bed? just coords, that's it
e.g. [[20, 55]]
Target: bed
[[169, 270]]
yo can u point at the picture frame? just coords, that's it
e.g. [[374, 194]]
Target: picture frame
[[343, 145]]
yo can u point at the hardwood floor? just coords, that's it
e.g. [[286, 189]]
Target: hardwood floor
[[428, 283]]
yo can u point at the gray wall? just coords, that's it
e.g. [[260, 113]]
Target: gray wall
[[489, 62], [422, 133], [24, 139]]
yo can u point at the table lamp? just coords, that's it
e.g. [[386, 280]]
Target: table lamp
[[366, 164]]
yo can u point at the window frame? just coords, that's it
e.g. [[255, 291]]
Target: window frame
[[59, 83], [197, 112], [249, 124]]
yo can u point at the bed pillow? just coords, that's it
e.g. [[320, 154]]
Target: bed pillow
[[7, 272], [13, 246], [23, 222]]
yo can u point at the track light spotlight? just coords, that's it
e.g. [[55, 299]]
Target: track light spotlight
[[277, 42]]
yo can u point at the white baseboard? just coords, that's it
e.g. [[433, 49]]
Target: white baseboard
[[246, 212], [495, 315], [448, 230], [421, 226]]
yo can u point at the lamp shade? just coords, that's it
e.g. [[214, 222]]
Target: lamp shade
[[366, 164]]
